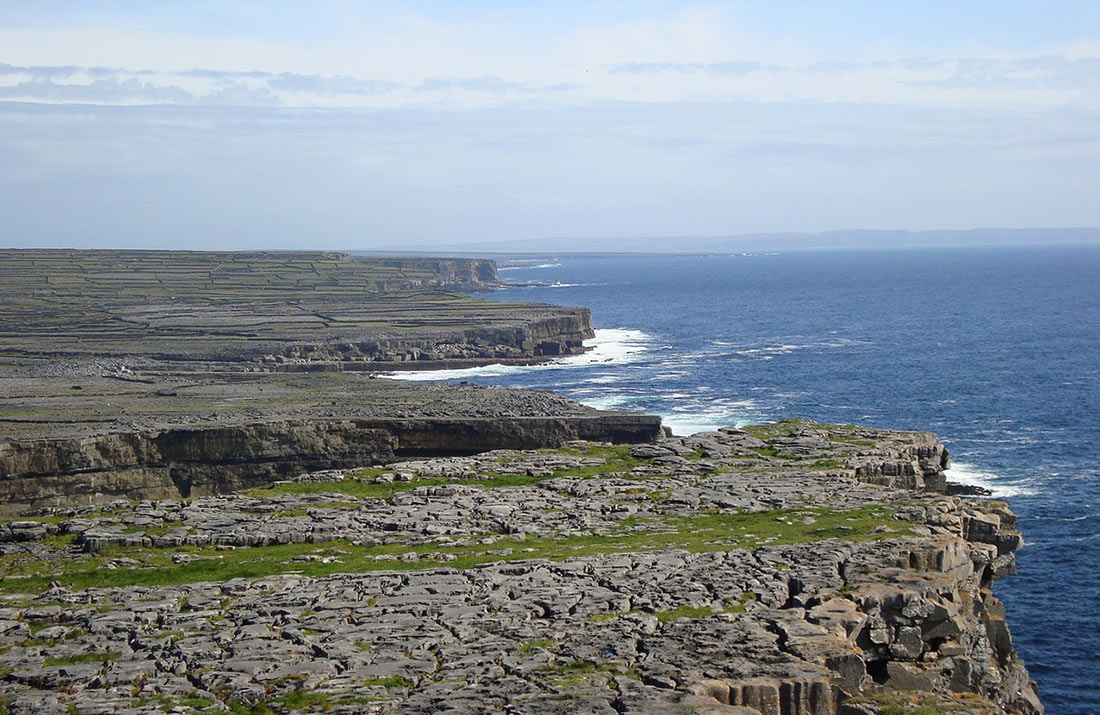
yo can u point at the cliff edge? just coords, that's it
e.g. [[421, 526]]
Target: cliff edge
[[777, 570]]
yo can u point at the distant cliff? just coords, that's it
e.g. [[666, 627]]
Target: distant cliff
[[185, 311], [452, 273]]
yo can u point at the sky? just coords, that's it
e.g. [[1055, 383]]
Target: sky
[[374, 125]]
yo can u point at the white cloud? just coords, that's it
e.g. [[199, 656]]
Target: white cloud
[[395, 58], [1050, 80]]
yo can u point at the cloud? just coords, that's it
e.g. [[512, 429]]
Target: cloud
[[329, 86], [99, 91], [1022, 73], [491, 85], [730, 67], [1014, 82]]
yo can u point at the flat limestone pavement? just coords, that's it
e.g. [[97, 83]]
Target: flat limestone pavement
[[786, 568]]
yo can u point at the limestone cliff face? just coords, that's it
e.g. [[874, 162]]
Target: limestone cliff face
[[916, 616], [452, 273], [192, 462], [918, 464], [925, 617], [563, 333]]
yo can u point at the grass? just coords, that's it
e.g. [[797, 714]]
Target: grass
[[528, 648], [361, 484], [394, 681], [707, 532], [924, 703], [772, 429], [312, 699], [692, 612], [580, 673], [81, 658]]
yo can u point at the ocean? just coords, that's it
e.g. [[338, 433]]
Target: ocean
[[996, 349]]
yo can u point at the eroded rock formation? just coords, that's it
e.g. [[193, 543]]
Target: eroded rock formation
[[765, 571]]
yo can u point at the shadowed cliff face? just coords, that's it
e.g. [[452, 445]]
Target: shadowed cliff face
[[189, 462]]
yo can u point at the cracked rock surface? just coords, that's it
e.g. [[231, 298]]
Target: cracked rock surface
[[781, 569]]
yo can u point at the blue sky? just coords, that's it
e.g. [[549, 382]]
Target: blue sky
[[369, 125]]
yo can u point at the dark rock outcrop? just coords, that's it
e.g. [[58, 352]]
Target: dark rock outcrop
[[186, 462]]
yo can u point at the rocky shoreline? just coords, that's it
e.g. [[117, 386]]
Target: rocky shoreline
[[208, 503], [788, 568]]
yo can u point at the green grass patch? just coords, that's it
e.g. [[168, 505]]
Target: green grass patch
[[700, 533], [81, 658], [582, 673], [697, 612], [772, 430], [394, 681], [527, 648], [310, 700]]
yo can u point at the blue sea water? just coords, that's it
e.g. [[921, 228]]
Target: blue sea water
[[995, 349]]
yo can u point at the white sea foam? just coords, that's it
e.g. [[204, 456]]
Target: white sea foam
[[527, 268], [607, 402], [968, 474], [602, 380], [772, 350], [611, 346], [686, 424], [707, 416]]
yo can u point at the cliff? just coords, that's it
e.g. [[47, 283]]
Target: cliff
[[753, 572], [536, 337], [189, 462], [178, 311]]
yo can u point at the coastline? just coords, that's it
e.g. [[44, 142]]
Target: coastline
[[789, 567], [850, 607]]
